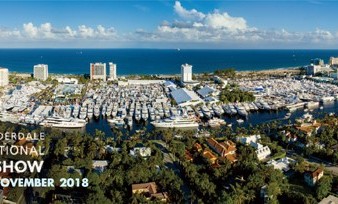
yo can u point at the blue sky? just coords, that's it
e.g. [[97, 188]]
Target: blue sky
[[169, 24]]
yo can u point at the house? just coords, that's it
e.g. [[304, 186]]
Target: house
[[188, 156], [311, 178], [197, 147], [309, 128], [249, 140], [111, 149], [225, 149], [290, 137], [329, 200], [209, 156], [264, 194], [99, 165], [281, 164], [142, 151], [149, 190], [262, 152]]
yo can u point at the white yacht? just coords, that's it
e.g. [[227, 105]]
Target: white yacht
[[175, 123]]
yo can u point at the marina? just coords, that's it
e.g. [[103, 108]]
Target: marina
[[140, 105]]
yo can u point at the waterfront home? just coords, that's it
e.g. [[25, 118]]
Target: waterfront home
[[225, 149], [142, 151], [150, 191], [311, 178], [99, 165], [309, 128]]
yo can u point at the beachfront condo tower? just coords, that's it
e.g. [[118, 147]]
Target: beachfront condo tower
[[186, 72], [41, 72], [112, 71], [3, 76], [98, 71]]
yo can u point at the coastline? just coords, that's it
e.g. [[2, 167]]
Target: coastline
[[269, 71]]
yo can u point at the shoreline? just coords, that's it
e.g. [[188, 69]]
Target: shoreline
[[241, 72]]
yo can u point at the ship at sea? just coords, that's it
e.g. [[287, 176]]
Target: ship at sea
[[176, 122]]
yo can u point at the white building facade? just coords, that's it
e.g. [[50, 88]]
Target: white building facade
[[98, 71], [112, 71], [186, 72], [4, 77], [41, 72]]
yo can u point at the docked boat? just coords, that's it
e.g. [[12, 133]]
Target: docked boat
[[76, 111], [83, 113], [206, 112], [175, 123], [312, 104], [97, 111], [56, 122], [327, 99], [241, 110], [216, 122]]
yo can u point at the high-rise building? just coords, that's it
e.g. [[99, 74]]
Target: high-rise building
[[3, 77], [41, 72], [112, 71], [317, 61], [334, 61], [98, 71], [186, 72]]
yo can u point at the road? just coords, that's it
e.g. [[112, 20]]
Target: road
[[314, 160], [169, 161]]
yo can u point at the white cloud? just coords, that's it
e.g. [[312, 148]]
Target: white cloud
[[224, 20], [187, 14], [30, 30], [221, 27], [46, 31], [193, 27]]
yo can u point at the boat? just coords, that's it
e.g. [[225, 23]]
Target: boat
[[97, 111], [327, 99], [175, 123], [239, 121], [206, 112], [137, 115], [241, 110], [233, 109], [83, 113], [312, 104], [57, 122], [76, 111], [287, 116], [216, 122]]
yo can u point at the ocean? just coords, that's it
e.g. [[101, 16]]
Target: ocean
[[156, 61]]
